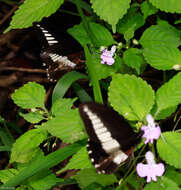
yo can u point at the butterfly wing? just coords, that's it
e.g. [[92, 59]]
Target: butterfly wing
[[51, 54], [110, 136]]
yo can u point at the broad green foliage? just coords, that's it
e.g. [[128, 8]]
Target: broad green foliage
[[31, 95], [33, 11], [162, 183], [172, 6], [88, 176], [169, 94], [26, 146], [131, 96], [116, 8], [143, 35], [79, 161], [67, 127], [169, 148]]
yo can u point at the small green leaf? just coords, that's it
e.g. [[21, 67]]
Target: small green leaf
[[33, 11], [134, 59], [163, 113], [162, 183], [43, 180], [172, 174], [61, 106], [32, 117], [101, 33], [26, 145], [68, 127], [148, 9], [169, 148], [116, 8], [130, 22], [87, 176], [131, 96], [80, 160], [172, 6], [31, 95], [169, 94], [5, 175]]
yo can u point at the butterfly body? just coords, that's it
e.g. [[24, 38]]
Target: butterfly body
[[110, 136]]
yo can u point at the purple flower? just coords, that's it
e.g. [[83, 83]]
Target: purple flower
[[151, 131], [151, 169], [107, 56]]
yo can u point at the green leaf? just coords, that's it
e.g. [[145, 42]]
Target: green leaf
[[81, 93], [64, 84], [31, 95], [131, 96], [79, 161], [32, 117], [130, 22], [101, 33], [61, 106], [68, 127], [160, 35], [43, 163], [174, 175], [26, 146], [87, 176], [172, 6], [110, 11], [169, 94], [5, 175], [163, 113], [169, 148], [134, 59], [162, 183], [33, 11], [43, 180], [163, 57], [148, 9]]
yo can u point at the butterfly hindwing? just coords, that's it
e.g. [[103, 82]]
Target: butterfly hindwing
[[110, 136]]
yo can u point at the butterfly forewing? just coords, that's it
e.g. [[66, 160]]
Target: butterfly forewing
[[52, 55], [110, 136]]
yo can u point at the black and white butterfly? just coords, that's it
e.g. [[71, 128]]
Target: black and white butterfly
[[111, 139], [51, 54]]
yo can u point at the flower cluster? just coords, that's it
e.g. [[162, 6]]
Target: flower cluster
[[107, 56], [151, 169]]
